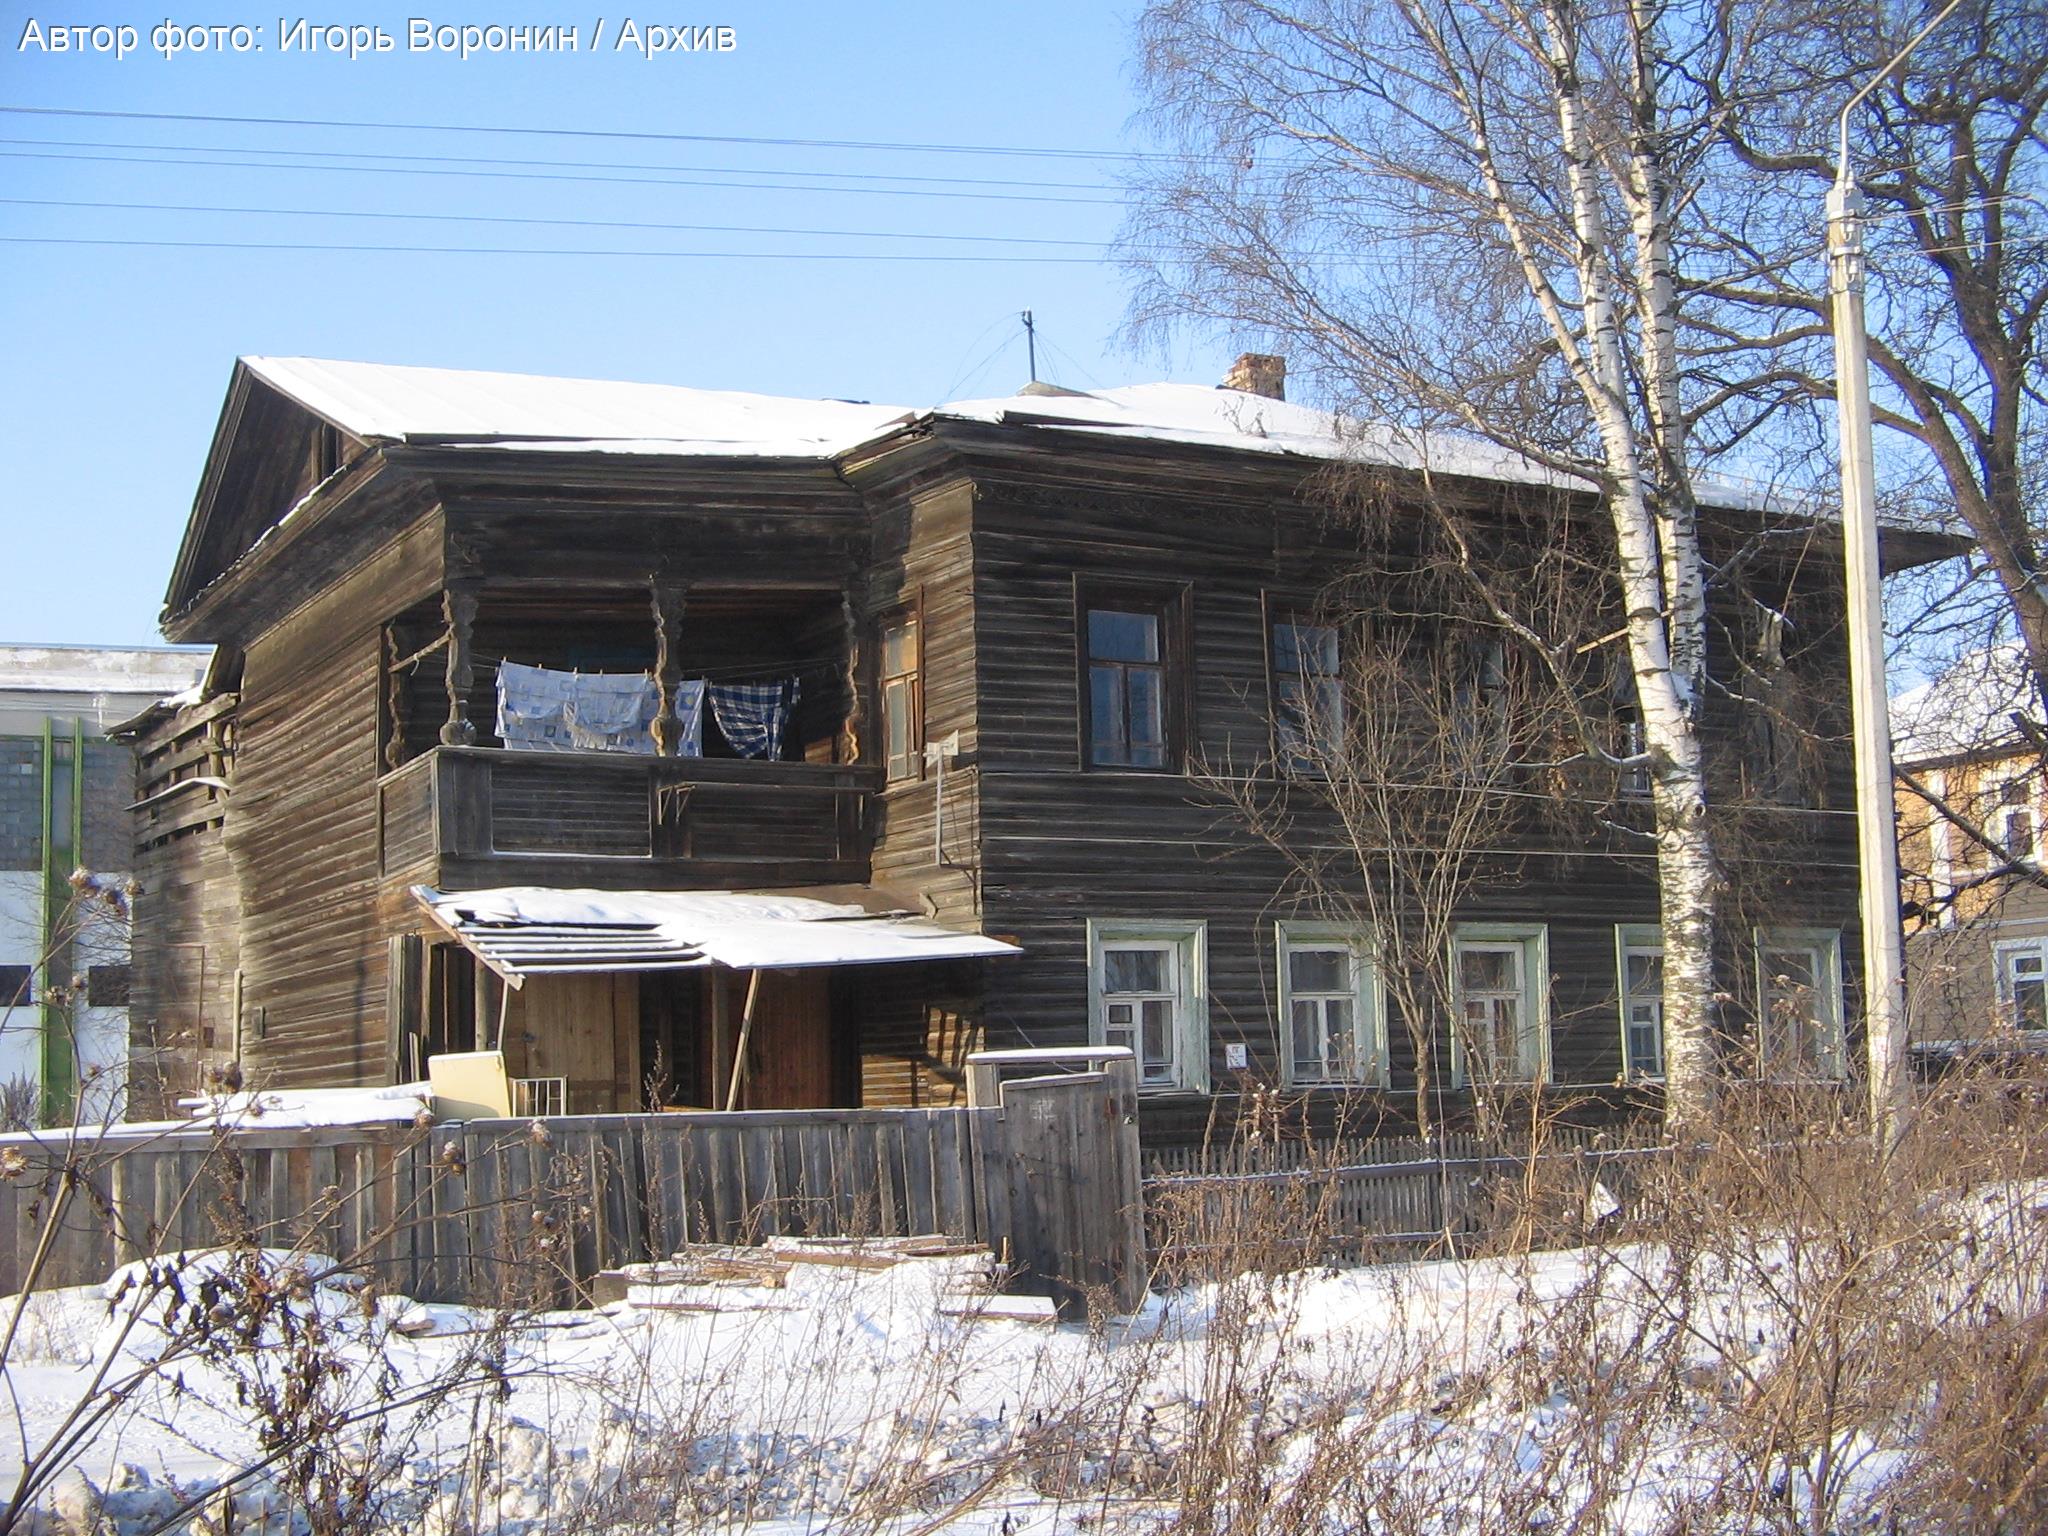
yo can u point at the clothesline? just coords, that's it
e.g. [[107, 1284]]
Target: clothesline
[[803, 667], [544, 709]]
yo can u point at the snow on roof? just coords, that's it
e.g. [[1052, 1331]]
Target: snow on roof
[[261, 1110], [1212, 416], [297, 1108], [402, 404], [534, 413], [145, 671], [1967, 709], [533, 930]]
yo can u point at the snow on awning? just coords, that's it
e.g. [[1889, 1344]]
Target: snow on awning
[[521, 931]]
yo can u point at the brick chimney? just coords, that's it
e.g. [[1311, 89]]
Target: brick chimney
[[1258, 373]]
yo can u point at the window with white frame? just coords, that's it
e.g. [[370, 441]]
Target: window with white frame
[[2015, 822], [1799, 1002], [1147, 991], [1640, 967], [2022, 966], [1499, 1001], [1330, 1005]]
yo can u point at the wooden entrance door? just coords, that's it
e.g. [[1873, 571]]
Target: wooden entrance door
[[789, 1054]]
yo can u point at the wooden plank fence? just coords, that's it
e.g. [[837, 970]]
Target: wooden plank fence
[[529, 1211], [1280, 1201]]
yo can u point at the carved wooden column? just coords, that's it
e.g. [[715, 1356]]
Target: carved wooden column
[[458, 607], [394, 701], [667, 600], [855, 723]]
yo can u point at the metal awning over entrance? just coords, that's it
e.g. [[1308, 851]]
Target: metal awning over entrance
[[521, 931]]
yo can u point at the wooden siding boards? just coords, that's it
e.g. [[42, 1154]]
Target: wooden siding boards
[[912, 1019], [1061, 845], [302, 826], [988, 534]]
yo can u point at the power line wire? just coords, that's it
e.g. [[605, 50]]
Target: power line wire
[[483, 218], [593, 165], [658, 181], [523, 250], [1354, 260], [892, 146]]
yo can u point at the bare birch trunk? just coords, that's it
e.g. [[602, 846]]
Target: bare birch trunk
[[1663, 590]]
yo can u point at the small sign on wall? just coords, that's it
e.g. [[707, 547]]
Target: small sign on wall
[[1234, 1056]]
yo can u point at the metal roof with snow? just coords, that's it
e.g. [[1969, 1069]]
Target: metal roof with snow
[[393, 403], [536, 413], [1965, 712], [521, 931]]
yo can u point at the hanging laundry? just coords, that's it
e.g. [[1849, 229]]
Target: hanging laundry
[[690, 714], [752, 715], [543, 710]]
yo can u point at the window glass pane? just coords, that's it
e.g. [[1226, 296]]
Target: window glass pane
[[1328, 699], [899, 648], [2030, 1004], [1106, 715], [1646, 1044], [1135, 970], [1116, 635], [1147, 719], [1305, 648], [896, 724], [2019, 833], [1488, 970], [1158, 1034], [1319, 970], [1507, 1025], [2023, 984], [1287, 648], [1337, 1022], [1307, 1023], [1791, 973], [1291, 707], [1645, 971], [1796, 1018]]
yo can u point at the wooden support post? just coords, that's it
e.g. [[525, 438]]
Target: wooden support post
[[855, 724], [739, 1055], [667, 600], [393, 703], [458, 606]]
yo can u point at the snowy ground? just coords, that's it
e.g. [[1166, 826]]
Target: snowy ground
[[846, 1401]]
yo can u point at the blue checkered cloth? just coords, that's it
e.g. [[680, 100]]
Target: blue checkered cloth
[[752, 715]]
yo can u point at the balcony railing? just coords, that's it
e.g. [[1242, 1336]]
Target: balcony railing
[[463, 817]]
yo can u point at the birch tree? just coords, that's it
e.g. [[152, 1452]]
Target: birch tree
[[1480, 216]]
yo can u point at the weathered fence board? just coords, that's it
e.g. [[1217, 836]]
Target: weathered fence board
[[528, 1211], [1339, 1200]]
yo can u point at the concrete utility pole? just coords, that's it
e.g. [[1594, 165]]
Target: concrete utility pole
[[1884, 969]]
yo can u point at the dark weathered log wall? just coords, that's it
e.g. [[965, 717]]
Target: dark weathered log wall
[[302, 826], [1061, 845]]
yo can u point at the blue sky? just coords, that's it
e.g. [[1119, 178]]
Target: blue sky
[[119, 354]]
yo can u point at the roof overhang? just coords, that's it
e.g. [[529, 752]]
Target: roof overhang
[[522, 931]]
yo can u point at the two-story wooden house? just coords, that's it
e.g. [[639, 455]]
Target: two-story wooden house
[[1970, 809], [707, 748]]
